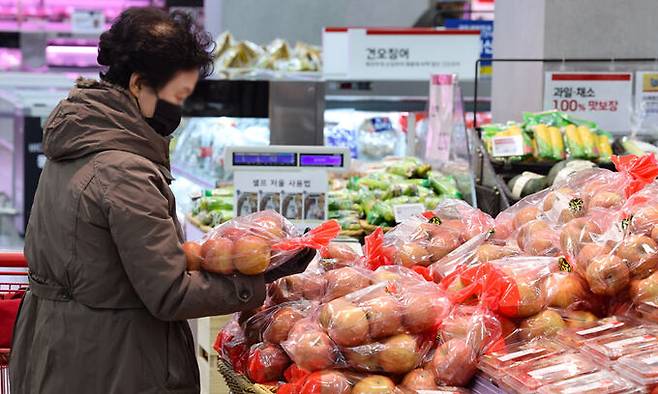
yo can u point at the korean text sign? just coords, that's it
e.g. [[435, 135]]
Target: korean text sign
[[605, 98]]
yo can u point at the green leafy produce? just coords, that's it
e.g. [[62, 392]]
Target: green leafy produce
[[430, 202], [444, 184], [410, 168], [213, 203], [380, 214], [348, 220]]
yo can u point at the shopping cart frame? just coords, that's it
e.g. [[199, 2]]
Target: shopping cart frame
[[13, 279]]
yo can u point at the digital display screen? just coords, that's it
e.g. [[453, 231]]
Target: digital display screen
[[320, 160], [265, 159]]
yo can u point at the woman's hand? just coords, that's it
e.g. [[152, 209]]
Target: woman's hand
[[295, 265]]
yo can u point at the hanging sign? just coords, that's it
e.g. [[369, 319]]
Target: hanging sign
[[605, 98], [402, 53]]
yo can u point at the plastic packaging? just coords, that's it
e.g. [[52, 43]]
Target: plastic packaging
[[513, 287], [252, 244], [231, 345], [328, 381], [527, 378], [466, 334], [641, 367], [576, 336], [397, 354], [385, 309], [275, 322], [454, 362], [600, 382], [422, 240], [496, 363], [266, 363], [631, 340], [311, 348]]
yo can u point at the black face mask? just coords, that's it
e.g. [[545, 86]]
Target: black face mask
[[166, 117]]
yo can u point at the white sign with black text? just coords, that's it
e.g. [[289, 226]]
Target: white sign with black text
[[646, 99], [407, 54], [605, 98]]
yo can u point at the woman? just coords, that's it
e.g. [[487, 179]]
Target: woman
[[109, 293]]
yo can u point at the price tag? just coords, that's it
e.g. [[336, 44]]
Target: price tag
[[541, 372], [629, 341], [405, 211], [600, 328], [519, 354], [507, 146], [87, 21], [605, 98]]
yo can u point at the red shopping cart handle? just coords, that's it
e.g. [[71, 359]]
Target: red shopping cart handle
[[12, 259]]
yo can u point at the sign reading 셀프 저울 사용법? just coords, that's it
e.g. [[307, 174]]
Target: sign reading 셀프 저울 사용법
[[605, 98], [300, 196]]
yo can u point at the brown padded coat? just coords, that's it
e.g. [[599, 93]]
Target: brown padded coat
[[109, 289]]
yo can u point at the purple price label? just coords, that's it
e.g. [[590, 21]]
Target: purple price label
[[321, 160], [264, 159]]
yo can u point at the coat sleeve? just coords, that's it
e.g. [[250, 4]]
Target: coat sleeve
[[147, 242]]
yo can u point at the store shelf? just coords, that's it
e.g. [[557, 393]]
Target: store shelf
[[541, 168], [400, 95]]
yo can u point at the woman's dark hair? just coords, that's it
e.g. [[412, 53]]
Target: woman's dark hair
[[155, 45]]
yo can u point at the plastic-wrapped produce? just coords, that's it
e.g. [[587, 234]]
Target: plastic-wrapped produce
[[378, 138], [342, 137], [252, 244], [273, 324], [410, 168], [266, 363], [310, 347], [231, 345], [426, 239], [511, 286]]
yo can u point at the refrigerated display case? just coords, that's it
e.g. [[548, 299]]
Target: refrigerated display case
[[270, 110], [42, 34], [24, 106], [378, 118]]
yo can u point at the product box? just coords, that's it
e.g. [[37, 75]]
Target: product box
[[529, 376], [495, 364], [599, 382], [641, 368], [575, 337], [610, 347]]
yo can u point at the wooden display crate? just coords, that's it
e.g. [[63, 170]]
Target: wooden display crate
[[211, 380]]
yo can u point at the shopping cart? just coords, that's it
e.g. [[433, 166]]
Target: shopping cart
[[13, 282]]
